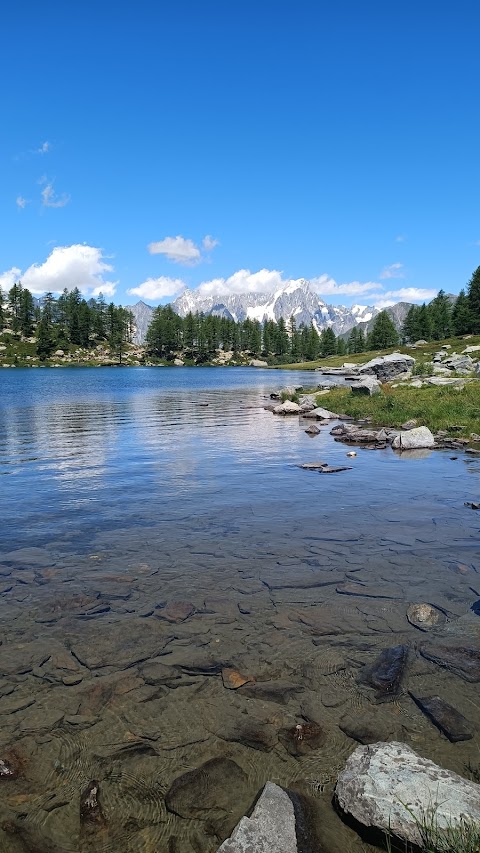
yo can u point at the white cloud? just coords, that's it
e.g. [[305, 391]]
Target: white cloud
[[412, 294], [177, 249], [66, 266], [209, 243], [243, 281], [182, 250], [324, 285], [392, 271], [21, 202], [9, 277], [50, 197], [44, 148], [158, 288]]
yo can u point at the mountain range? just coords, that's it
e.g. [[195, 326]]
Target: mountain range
[[295, 299]]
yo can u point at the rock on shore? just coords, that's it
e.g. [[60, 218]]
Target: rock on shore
[[270, 829], [380, 778]]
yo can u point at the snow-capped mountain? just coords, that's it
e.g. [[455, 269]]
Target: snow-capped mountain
[[295, 299]]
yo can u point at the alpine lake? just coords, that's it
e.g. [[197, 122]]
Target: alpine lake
[[174, 589]]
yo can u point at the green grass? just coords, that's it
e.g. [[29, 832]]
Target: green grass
[[439, 408], [423, 353], [459, 837]]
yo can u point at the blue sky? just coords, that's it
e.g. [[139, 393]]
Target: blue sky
[[148, 146]]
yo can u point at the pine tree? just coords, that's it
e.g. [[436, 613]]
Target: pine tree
[[461, 316], [361, 343], [14, 299], [2, 312], [411, 328], [441, 316], [283, 341], [473, 296], [352, 340], [328, 342], [26, 313], [341, 346], [383, 334]]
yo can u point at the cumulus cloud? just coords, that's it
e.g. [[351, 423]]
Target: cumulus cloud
[[50, 197], [44, 148], [209, 243], [9, 277], [182, 250], [158, 288], [324, 285], [404, 294], [67, 266], [392, 271], [243, 281], [21, 202]]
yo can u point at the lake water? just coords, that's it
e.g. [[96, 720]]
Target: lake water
[[156, 530]]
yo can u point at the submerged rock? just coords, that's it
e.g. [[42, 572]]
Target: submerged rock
[[463, 661], [216, 792], [450, 721], [424, 616], [385, 674], [312, 430], [302, 738], [378, 779]]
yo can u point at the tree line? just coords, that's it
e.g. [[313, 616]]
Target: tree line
[[441, 319], [65, 321]]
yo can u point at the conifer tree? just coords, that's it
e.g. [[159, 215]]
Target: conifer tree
[[473, 296], [383, 334], [461, 317]]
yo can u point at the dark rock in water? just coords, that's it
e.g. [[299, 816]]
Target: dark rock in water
[[252, 732], [176, 611], [313, 430], [366, 727], [302, 738], [476, 607], [334, 469], [270, 691], [386, 673], [216, 792], [32, 837], [453, 724], [90, 808], [464, 661], [313, 466]]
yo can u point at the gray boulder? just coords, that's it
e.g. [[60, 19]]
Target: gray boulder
[[256, 362], [270, 829], [413, 439], [477, 368], [321, 414], [287, 408], [388, 367], [459, 363], [380, 778], [366, 387]]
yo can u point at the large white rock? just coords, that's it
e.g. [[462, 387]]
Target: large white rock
[[257, 362], [287, 408], [388, 367], [322, 414], [381, 780], [366, 386], [270, 829], [414, 439]]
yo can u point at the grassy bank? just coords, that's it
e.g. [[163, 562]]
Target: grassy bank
[[420, 353], [438, 408]]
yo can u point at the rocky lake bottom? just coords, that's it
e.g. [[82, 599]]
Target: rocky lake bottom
[[176, 592]]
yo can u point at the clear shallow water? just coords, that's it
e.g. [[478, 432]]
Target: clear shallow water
[[121, 491]]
